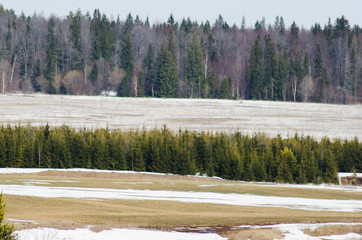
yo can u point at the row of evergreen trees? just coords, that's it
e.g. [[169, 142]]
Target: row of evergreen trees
[[231, 156], [91, 53]]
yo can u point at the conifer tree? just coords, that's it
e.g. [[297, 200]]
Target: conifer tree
[[127, 65], [224, 89], [256, 73], [148, 63], [140, 85], [6, 230], [270, 65], [166, 73], [194, 71], [76, 54], [51, 56]]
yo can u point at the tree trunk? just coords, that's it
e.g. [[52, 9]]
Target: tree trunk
[[12, 71]]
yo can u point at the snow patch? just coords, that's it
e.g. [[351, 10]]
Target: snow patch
[[190, 197], [295, 231], [113, 234]]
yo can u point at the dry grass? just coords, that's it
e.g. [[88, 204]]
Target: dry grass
[[254, 234], [70, 213], [173, 183], [64, 213], [334, 230]]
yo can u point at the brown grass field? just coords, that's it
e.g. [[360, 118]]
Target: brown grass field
[[69, 213]]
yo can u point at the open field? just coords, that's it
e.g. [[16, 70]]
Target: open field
[[272, 118], [102, 213]]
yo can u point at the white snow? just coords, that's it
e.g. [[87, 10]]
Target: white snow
[[191, 197], [134, 183], [113, 234], [272, 118], [295, 231]]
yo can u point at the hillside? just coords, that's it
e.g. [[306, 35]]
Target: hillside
[[271, 118]]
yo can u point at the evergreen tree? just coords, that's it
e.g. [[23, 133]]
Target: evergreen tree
[[212, 81], [166, 73], [94, 73], [140, 85], [76, 54], [6, 230], [148, 63], [127, 65], [270, 65], [224, 89], [194, 71], [51, 56], [256, 73]]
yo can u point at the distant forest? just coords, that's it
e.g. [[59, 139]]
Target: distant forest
[[92, 53], [235, 156]]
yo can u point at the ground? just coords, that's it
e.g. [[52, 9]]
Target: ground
[[272, 118], [103, 211]]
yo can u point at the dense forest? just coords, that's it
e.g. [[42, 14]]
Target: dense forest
[[231, 156], [92, 53]]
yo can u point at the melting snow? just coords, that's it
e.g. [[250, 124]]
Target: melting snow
[[191, 197], [114, 234]]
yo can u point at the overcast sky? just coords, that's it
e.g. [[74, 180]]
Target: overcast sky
[[303, 12]]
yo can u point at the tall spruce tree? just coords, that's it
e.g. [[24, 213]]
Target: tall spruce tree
[[256, 73], [76, 52], [127, 65], [51, 57], [166, 73], [270, 65], [194, 71], [148, 63]]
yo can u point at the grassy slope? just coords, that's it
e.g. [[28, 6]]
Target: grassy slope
[[71, 213]]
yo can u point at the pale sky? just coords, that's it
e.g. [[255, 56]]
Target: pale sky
[[303, 12]]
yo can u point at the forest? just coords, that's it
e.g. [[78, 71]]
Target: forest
[[92, 53], [234, 156]]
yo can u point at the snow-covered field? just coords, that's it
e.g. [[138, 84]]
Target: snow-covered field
[[284, 118], [31, 188], [289, 232], [113, 234], [189, 197]]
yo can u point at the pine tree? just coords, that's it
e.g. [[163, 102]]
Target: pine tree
[[140, 85], [212, 81], [6, 230], [51, 56], [256, 73], [194, 71], [94, 73], [76, 54], [166, 73], [148, 63], [127, 65], [270, 65], [224, 89]]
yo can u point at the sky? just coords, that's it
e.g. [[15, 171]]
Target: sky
[[304, 12]]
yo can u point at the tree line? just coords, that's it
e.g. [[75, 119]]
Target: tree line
[[235, 156], [92, 53]]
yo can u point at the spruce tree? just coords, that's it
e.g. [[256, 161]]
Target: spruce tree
[[194, 71], [76, 53], [148, 63], [140, 85], [166, 73], [224, 89], [256, 73], [51, 56], [270, 65], [127, 65], [6, 230]]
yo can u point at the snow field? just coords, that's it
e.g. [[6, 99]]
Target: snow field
[[308, 204], [272, 118], [113, 234]]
